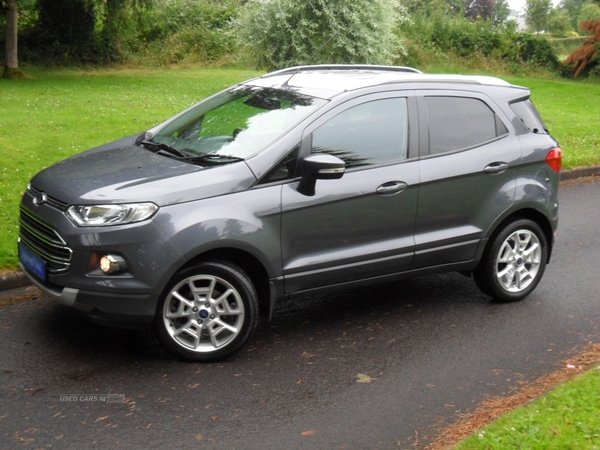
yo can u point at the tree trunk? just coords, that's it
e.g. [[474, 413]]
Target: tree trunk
[[11, 63]]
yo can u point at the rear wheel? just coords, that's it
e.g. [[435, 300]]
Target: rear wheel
[[207, 312], [514, 262]]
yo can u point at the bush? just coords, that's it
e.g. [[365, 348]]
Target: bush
[[564, 46], [537, 50], [463, 38], [186, 30], [67, 32], [281, 33]]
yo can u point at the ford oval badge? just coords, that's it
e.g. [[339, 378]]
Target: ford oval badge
[[40, 198]]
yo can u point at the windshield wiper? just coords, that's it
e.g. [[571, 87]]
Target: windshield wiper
[[206, 159], [214, 158], [166, 148]]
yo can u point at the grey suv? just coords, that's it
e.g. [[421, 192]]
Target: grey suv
[[303, 180]]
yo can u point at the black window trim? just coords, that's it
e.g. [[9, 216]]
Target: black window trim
[[262, 182], [464, 149]]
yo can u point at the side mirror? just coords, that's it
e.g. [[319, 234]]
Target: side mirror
[[319, 166]]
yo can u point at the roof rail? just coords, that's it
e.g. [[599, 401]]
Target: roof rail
[[297, 69]]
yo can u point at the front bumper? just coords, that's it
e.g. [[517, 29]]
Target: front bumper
[[132, 311]]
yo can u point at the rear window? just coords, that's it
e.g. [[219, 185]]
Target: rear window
[[457, 123], [530, 117]]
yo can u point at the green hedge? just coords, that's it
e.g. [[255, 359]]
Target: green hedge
[[465, 38]]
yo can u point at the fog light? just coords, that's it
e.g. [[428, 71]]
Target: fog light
[[112, 264]]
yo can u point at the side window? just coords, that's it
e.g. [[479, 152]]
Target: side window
[[371, 133], [459, 122], [529, 115]]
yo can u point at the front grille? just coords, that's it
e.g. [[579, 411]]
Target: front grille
[[45, 241]]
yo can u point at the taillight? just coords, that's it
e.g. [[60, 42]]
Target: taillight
[[554, 159]]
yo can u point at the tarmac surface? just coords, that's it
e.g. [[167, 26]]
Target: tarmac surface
[[374, 368]]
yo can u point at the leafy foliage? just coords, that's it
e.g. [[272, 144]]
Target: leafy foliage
[[537, 50], [66, 32], [281, 33], [573, 7], [589, 11], [586, 59], [117, 23], [187, 30], [479, 9], [500, 12], [62, 33], [431, 7], [559, 22], [464, 38], [538, 13]]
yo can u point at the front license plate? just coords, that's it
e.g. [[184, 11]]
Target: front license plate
[[32, 261]]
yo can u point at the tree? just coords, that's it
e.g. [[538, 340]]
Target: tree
[[433, 7], [573, 7], [479, 9], [586, 59], [65, 32], [114, 18], [280, 33], [559, 23], [500, 11], [456, 7], [429, 7], [538, 13], [589, 11], [11, 61]]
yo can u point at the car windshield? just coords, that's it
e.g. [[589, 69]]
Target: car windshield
[[235, 124]]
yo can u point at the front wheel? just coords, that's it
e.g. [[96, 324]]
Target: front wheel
[[514, 262], [207, 312]]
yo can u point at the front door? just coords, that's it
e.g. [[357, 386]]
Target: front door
[[360, 226]]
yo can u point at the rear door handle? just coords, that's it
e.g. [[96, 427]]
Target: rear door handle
[[495, 168], [391, 188]]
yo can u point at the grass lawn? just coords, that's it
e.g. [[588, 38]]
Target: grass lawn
[[571, 111], [565, 418], [58, 113]]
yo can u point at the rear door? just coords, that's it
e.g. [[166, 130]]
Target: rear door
[[359, 226], [468, 172]]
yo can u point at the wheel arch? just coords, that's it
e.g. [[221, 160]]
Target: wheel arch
[[250, 264], [533, 215]]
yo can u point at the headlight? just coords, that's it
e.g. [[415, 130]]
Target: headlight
[[104, 215]]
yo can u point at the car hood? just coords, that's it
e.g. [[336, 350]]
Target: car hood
[[122, 172]]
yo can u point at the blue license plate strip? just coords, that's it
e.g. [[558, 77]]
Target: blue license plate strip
[[32, 261]]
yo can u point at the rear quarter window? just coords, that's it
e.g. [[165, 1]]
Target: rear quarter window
[[457, 123], [529, 115]]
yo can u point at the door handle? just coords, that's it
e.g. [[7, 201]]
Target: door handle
[[496, 168], [391, 188]]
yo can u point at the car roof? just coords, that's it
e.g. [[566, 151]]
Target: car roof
[[327, 81]]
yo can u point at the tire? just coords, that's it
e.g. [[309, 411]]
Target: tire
[[514, 261], [207, 312]]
